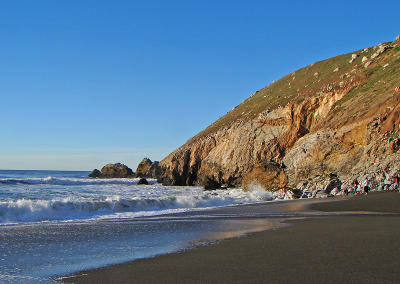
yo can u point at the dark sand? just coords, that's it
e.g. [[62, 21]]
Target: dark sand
[[329, 249]]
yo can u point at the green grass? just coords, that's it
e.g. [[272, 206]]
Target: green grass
[[378, 88]]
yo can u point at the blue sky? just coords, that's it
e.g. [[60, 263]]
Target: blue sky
[[84, 83]]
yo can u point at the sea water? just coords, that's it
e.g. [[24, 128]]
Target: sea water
[[55, 223]]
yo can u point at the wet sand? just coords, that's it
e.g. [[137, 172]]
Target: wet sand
[[346, 248]]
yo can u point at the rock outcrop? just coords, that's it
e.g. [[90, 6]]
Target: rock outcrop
[[143, 181], [303, 128], [117, 170], [143, 168], [95, 174], [149, 169]]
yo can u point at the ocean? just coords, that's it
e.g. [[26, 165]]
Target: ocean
[[55, 223]]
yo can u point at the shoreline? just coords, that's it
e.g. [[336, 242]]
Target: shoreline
[[352, 247]]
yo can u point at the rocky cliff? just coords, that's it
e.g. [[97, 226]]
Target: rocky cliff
[[338, 117]]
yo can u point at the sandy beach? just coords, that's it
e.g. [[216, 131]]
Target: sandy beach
[[346, 248]]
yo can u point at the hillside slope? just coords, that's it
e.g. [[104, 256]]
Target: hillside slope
[[337, 117]]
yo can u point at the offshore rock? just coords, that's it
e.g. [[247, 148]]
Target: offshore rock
[[95, 174], [143, 168], [143, 181], [148, 169], [117, 170]]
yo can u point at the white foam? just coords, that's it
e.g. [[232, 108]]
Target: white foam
[[145, 203], [38, 199], [257, 192]]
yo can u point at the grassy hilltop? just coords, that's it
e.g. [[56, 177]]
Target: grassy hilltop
[[378, 85]]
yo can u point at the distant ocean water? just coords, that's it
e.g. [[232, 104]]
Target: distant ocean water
[[59, 222]]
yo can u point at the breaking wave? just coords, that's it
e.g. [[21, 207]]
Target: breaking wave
[[25, 210]]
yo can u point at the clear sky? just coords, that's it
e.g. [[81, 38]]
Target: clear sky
[[85, 83]]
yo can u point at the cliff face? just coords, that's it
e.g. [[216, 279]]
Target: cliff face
[[337, 116]]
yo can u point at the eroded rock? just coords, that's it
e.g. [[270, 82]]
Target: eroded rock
[[149, 169], [117, 170], [95, 174], [143, 168]]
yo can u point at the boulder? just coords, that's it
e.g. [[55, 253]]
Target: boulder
[[293, 193], [143, 181], [321, 194], [288, 195], [334, 182], [398, 38], [353, 57], [95, 174], [302, 185], [117, 170], [335, 191], [381, 48]]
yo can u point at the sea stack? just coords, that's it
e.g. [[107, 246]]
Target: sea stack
[[148, 169], [117, 170]]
